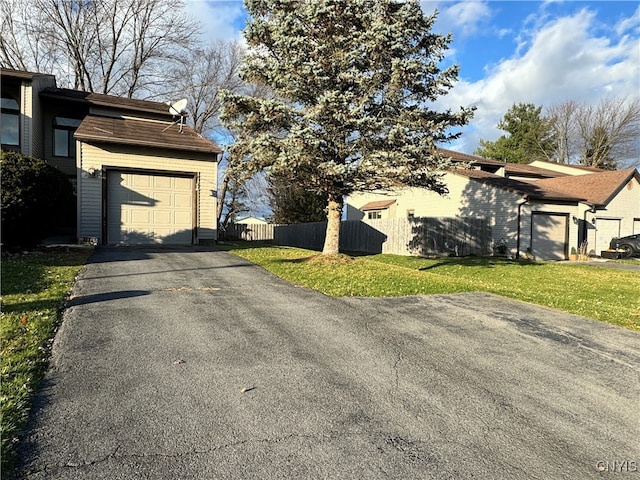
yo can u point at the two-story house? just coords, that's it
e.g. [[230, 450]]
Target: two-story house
[[140, 175]]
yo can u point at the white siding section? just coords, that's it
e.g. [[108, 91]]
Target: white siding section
[[466, 198], [560, 168], [93, 157], [625, 207], [26, 118]]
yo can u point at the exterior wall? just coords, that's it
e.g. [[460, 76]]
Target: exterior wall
[[26, 118], [37, 125], [574, 211], [99, 157], [560, 167], [466, 198], [66, 164], [625, 206]]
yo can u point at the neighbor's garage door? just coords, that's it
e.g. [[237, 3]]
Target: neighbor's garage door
[[549, 235], [606, 229], [149, 208]]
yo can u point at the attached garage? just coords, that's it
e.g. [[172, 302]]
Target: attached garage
[[606, 229], [549, 235], [147, 208], [145, 182]]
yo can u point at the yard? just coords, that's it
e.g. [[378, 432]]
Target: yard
[[604, 294], [34, 286]]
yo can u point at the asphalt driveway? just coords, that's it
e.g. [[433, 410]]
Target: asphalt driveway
[[194, 364]]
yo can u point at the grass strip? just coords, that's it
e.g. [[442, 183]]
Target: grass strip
[[604, 294], [34, 286]]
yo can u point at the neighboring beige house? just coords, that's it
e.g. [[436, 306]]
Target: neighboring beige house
[[251, 221], [536, 210], [140, 177]]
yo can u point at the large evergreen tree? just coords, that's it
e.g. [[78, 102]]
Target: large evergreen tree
[[292, 202], [355, 83], [529, 137]]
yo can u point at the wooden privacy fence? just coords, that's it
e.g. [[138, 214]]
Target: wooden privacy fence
[[249, 232], [401, 236]]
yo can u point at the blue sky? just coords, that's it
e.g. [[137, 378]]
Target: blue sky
[[543, 52]]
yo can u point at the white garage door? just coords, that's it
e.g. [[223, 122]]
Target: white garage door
[[149, 208], [549, 236], [606, 229]]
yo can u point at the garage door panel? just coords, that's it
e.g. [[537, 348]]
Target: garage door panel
[[606, 229], [137, 181], [163, 199], [162, 217], [140, 217], [183, 201], [549, 236], [149, 208], [182, 218], [164, 182], [182, 184]]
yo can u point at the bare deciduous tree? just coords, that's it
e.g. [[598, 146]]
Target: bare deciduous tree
[[201, 74], [23, 46], [605, 135], [610, 129], [562, 117], [119, 47]]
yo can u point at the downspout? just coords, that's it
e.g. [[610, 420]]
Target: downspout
[[526, 200], [591, 209]]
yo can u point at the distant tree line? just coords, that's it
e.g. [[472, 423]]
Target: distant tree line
[[605, 135]]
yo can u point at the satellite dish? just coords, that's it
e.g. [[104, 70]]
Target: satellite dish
[[178, 107]]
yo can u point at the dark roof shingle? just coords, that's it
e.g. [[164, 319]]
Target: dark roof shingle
[[22, 74], [527, 189], [146, 133], [110, 101], [594, 188], [377, 205]]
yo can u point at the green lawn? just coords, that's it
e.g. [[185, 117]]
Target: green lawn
[[604, 294], [34, 285]]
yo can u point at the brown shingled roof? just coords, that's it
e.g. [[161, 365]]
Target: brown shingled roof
[[21, 74], [465, 157], [377, 205], [595, 188], [147, 133], [531, 190], [111, 101]]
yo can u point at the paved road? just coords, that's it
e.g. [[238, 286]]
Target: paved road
[[193, 364]]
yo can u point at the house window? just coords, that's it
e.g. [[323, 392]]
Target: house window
[[374, 214], [63, 143], [10, 122], [411, 214]]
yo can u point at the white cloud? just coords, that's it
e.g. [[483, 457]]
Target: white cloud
[[629, 25], [562, 60], [465, 17], [220, 19]]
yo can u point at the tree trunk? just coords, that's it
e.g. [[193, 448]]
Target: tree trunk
[[334, 216], [221, 196]]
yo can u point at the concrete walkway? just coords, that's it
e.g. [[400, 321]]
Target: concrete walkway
[[194, 364]]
